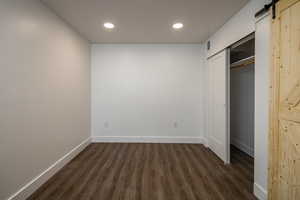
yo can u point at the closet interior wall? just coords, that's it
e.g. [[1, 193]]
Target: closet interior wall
[[242, 96]]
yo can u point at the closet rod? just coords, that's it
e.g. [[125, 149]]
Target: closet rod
[[242, 63]]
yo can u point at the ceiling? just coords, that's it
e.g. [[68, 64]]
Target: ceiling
[[146, 21]]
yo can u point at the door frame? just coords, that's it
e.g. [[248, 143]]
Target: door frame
[[228, 110], [228, 139]]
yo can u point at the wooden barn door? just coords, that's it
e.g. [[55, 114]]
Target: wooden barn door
[[284, 174]]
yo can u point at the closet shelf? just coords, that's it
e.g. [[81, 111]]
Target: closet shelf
[[244, 62]]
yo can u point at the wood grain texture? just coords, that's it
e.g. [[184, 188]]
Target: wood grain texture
[[284, 165], [150, 172]]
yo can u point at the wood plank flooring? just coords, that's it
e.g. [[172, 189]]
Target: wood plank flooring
[[150, 172]]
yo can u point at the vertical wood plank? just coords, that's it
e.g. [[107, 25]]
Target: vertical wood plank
[[284, 137]]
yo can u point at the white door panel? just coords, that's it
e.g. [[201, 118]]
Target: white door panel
[[217, 105]]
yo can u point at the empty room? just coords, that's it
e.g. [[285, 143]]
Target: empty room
[[149, 100]]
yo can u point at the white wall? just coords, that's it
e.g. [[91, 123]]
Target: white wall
[[262, 83], [44, 89], [239, 26], [242, 108], [147, 92]]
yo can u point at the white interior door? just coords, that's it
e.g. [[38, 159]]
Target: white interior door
[[217, 114]]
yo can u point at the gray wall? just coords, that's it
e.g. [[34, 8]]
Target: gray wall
[[147, 91], [242, 108], [44, 89]]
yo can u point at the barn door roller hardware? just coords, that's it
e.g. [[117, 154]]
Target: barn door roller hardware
[[266, 9]]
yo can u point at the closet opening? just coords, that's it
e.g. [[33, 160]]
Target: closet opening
[[241, 94]]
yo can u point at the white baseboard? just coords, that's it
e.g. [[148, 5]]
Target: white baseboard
[[260, 192], [148, 139], [245, 148], [205, 142], [35, 183]]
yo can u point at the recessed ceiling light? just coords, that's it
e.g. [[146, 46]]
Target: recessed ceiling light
[[177, 25], [109, 25]]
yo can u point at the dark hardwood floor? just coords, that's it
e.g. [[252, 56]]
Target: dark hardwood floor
[[150, 172]]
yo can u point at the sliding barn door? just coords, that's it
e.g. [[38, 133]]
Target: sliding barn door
[[217, 114], [284, 176]]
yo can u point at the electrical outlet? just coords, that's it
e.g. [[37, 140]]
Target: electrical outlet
[[106, 125], [175, 124]]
